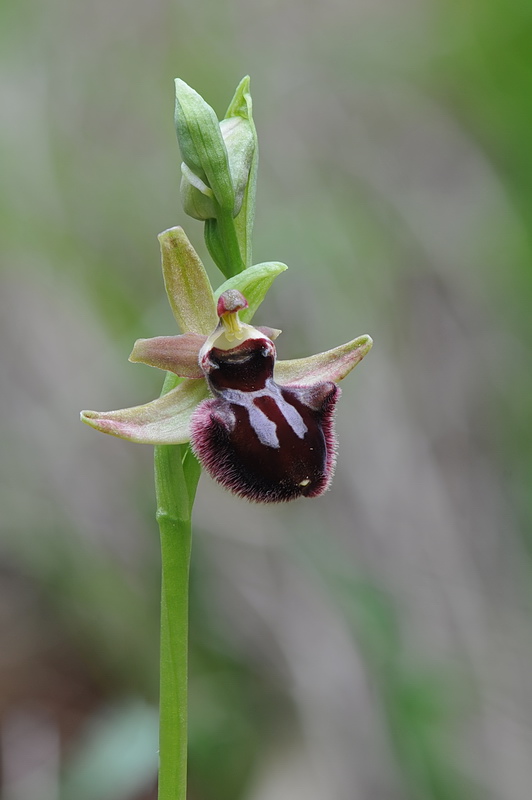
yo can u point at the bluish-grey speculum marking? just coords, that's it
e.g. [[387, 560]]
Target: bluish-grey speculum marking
[[264, 427]]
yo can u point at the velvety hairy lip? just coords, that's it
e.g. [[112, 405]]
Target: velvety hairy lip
[[264, 442]]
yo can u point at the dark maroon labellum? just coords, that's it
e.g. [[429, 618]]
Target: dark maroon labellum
[[265, 442]]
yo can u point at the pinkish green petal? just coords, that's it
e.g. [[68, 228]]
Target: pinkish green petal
[[333, 365], [178, 354], [187, 285], [163, 421]]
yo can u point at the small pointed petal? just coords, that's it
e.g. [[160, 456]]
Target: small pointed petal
[[254, 283], [333, 365], [271, 333], [240, 105], [187, 285], [163, 421], [178, 354]]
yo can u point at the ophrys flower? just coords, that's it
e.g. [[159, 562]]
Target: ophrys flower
[[267, 431]]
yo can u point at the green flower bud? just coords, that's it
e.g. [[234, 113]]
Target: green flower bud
[[196, 196], [239, 141], [219, 172], [241, 106], [202, 145]]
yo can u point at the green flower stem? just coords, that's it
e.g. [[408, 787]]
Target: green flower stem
[[177, 471], [176, 477]]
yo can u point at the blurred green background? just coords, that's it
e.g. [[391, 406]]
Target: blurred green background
[[374, 644]]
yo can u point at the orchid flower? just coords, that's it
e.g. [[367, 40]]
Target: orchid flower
[[262, 428]]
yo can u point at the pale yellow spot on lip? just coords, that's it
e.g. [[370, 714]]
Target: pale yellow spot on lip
[[305, 482]]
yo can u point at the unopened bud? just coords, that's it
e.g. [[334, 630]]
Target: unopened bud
[[239, 140], [202, 145], [196, 196]]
